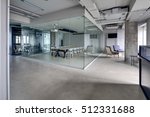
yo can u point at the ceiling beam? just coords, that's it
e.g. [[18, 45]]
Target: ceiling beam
[[91, 7], [19, 18], [88, 16], [105, 22], [91, 12]]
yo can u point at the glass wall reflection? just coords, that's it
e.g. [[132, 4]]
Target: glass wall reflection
[[31, 41], [73, 42], [91, 42]]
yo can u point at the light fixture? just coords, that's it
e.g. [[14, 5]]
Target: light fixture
[[31, 4], [54, 28]]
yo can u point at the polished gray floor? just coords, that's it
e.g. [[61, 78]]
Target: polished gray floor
[[107, 78], [79, 60]]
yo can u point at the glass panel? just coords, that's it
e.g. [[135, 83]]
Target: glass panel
[[142, 31], [68, 42], [73, 42], [32, 41], [145, 52], [61, 43], [144, 69], [46, 42], [91, 42], [16, 41]]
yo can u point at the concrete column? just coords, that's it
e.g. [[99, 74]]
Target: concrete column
[[131, 40], [4, 49], [148, 32]]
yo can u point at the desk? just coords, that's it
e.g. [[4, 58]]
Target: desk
[[65, 49]]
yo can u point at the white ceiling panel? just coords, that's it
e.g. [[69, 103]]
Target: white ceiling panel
[[48, 5]]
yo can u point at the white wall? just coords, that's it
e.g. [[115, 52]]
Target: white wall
[[110, 41], [4, 47], [121, 39], [97, 43], [73, 40]]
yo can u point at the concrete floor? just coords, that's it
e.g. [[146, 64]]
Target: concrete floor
[[106, 78], [77, 61]]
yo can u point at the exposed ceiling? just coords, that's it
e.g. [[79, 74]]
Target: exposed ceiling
[[108, 13], [113, 13], [44, 6]]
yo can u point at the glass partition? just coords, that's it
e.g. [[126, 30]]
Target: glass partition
[[46, 42], [91, 42], [73, 42], [31, 41], [70, 42]]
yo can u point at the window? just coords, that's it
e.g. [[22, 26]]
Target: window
[[142, 37], [93, 36], [18, 40], [26, 39]]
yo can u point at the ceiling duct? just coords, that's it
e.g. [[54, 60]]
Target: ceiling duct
[[112, 26], [113, 15], [112, 21]]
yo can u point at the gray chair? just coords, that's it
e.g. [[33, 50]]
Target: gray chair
[[110, 52]]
